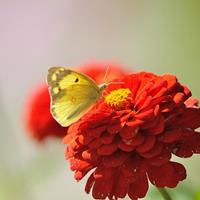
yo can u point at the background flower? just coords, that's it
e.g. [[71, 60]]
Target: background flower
[[97, 70], [39, 121], [129, 137]]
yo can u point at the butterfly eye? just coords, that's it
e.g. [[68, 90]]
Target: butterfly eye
[[76, 80]]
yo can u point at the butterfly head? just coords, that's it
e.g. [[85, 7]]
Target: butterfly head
[[102, 87]]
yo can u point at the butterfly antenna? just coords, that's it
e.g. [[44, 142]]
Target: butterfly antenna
[[105, 79]]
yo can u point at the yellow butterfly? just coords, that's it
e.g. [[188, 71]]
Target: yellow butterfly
[[72, 94]]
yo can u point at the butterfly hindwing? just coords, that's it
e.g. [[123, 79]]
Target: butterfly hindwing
[[71, 94]]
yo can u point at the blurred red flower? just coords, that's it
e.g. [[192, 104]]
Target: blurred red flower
[[38, 118], [130, 135], [96, 70]]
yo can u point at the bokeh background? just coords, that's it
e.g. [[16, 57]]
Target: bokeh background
[[162, 36]]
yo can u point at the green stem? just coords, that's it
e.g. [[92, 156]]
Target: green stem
[[164, 194]]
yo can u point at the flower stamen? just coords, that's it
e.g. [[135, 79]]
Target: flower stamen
[[118, 98]]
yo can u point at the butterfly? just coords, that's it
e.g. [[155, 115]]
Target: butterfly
[[72, 94]]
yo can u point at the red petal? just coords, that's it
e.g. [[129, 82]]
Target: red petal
[[161, 159], [126, 147], [78, 175], [133, 168], [89, 183], [147, 144], [84, 139], [155, 151], [139, 188], [132, 83], [179, 98], [180, 171], [107, 149], [96, 143], [157, 110], [162, 92], [115, 160], [114, 128], [146, 102], [150, 124], [135, 141], [135, 123], [107, 138], [103, 173], [102, 188], [158, 128], [167, 107], [96, 132], [160, 176], [128, 132], [188, 147], [157, 86], [157, 101], [121, 187], [90, 155], [171, 81], [147, 115], [77, 164], [140, 99], [171, 135], [187, 91], [69, 153], [191, 102], [166, 175], [189, 119], [69, 138], [75, 145]]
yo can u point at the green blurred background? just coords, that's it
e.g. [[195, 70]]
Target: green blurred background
[[162, 36]]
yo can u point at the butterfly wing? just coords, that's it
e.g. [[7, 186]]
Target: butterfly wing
[[71, 93]]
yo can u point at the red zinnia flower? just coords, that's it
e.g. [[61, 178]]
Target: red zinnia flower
[[39, 120], [130, 135]]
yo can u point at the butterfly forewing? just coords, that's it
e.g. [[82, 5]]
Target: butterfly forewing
[[71, 93]]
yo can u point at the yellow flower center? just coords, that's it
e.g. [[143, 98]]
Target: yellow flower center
[[117, 98]]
